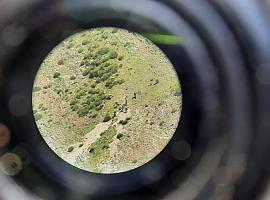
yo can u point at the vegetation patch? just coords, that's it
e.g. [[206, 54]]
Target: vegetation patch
[[99, 150], [36, 89]]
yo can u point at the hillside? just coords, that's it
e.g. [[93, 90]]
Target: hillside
[[105, 100]]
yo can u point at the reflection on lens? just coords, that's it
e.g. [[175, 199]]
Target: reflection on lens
[[106, 100]]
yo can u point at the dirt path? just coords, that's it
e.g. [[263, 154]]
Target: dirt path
[[80, 154]]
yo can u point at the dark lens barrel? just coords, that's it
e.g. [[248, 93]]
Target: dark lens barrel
[[223, 64]]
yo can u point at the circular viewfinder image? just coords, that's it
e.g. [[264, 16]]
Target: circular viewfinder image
[[107, 100]]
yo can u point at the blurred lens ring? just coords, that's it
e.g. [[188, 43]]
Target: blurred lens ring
[[252, 34], [220, 53]]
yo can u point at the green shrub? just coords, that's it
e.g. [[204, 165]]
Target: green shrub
[[83, 111], [82, 63], [134, 161], [115, 30], [73, 77], [74, 107], [161, 123], [128, 45], [105, 59], [36, 89], [87, 56], [37, 116], [114, 43], [106, 76], [70, 149], [70, 45], [78, 96], [98, 108], [85, 42], [91, 150], [174, 110], [87, 63], [94, 115], [119, 136], [107, 117], [56, 75], [93, 91], [80, 50], [123, 122], [98, 80], [86, 72], [121, 81], [93, 74], [93, 85], [120, 57], [73, 102], [43, 108], [156, 82], [102, 51], [113, 55], [60, 62]]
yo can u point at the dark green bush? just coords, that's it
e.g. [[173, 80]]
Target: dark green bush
[[85, 42], [98, 108], [73, 102], [104, 77], [128, 45], [115, 30], [83, 111], [107, 117], [102, 51], [93, 91], [119, 136], [56, 75], [121, 81], [70, 149], [98, 80], [80, 50], [74, 107], [113, 55], [37, 116], [123, 122], [174, 110], [72, 77], [87, 56], [114, 43], [94, 115], [161, 123], [93, 74], [105, 59], [120, 57], [36, 89], [70, 45], [86, 72], [82, 63], [91, 150], [60, 62], [156, 82], [93, 85]]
